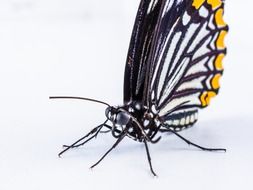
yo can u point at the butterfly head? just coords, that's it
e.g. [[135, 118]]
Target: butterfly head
[[117, 116]]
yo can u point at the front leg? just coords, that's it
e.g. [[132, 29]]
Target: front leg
[[94, 131]]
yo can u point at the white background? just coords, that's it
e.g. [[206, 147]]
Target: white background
[[78, 47]]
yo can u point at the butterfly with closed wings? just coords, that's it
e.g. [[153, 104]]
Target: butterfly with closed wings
[[173, 68]]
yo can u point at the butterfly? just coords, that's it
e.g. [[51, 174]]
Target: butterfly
[[172, 70]]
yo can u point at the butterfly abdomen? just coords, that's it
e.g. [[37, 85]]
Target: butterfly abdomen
[[181, 120]]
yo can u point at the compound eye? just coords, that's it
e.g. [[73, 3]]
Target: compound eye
[[110, 114], [122, 118]]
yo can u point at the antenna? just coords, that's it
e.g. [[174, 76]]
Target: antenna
[[80, 98]]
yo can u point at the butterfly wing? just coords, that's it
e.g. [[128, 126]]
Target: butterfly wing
[[186, 65], [175, 62]]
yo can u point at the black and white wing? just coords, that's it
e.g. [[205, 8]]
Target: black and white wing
[[175, 57]]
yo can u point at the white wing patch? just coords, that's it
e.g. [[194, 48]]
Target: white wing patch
[[175, 77], [167, 61], [195, 83], [198, 67], [176, 102]]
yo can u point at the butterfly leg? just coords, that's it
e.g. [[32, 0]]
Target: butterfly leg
[[115, 132], [114, 145], [191, 143], [95, 130], [149, 158], [105, 131]]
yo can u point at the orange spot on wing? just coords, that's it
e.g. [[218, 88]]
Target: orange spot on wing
[[215, 81], [210, 95], [203, 99], [220, 40], [206, 97], [218, 61], [219, 18]]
